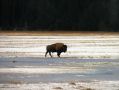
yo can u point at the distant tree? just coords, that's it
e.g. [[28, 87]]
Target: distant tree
[[59, 14]]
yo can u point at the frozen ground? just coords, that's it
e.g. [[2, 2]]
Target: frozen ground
[[90, 63], [23, 73], [26, 73], [95, 85], [78, 46]]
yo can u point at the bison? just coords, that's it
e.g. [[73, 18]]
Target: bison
[[57, 47]]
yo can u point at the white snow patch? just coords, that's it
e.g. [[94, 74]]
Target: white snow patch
[[78, 46], [45, 70], [93, 85]]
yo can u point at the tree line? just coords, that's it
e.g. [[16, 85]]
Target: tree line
[[59, 14]]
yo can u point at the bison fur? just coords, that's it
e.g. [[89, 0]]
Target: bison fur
[[57, 47]]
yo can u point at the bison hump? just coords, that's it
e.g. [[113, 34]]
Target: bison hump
[[59, 46]]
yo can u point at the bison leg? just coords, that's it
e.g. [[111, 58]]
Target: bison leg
[[46, 53], [50, 54], [58, 54]]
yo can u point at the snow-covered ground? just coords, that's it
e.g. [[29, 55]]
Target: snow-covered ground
[[91, 63], [95, 85], [78, 46]]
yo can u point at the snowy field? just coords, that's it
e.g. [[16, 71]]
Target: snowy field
[[95, 85], [78, 46], [31, 73], [91, 63]]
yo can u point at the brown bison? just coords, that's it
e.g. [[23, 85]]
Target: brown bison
[[57, 47]]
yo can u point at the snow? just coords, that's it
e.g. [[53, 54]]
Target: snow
[[78, 46], [91, 85], [48, 70]]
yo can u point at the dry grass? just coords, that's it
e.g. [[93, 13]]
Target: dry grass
[[58, 88], [15, 82], [72, 83], [50, 33], [87, 89], [84, 88]]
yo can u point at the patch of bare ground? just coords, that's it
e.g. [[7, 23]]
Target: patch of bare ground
[[79, 87], [83, 88], [72, 83], [15, 82], [58, 88], [50, 33], [87, 89]]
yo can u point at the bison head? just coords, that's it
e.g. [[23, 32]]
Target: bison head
[[64, 48]]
